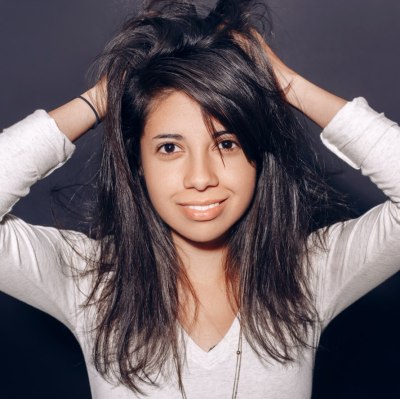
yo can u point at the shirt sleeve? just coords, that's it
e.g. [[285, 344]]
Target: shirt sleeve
[[363, 252], [35, 261]]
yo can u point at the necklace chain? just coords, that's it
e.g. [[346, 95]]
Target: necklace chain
[[237, 369]]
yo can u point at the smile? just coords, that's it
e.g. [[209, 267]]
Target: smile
[[203, 211], [203, 207]]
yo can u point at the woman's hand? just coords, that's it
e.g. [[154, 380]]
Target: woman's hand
[[285, 76], [318, 104]]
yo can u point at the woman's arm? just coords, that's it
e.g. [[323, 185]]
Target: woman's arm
[[363, 252], [360, 253], [35, 261], [42, 142], [76, 117], [318, 104]]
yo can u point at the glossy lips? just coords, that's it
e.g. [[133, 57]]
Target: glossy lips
[[203, 211]]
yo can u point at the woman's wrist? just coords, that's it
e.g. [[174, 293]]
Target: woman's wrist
[[73, 118], [315, 102], [77, 117], [97, 96], [291, 85], [89, 101]]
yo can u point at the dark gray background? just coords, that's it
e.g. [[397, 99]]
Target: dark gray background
[[347, 46]]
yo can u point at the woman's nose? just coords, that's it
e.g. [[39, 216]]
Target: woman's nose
[[200, 173]]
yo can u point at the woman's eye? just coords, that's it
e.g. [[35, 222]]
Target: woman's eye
[[167, 148], [227, 145]]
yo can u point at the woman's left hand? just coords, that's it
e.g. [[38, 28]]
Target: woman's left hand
[[318, 104]]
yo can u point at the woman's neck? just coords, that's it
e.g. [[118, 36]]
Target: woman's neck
[[208, 316], [203, 262]]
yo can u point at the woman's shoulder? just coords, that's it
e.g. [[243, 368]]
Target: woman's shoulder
[[66, 246]]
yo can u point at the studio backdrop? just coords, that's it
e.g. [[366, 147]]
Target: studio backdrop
[[349, 47]]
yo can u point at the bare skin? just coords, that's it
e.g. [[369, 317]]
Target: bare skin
[[217, 309], [75, 118], [200, 196], [216, 313], [316, 103]]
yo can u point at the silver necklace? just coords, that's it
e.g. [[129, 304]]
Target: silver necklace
[[237, 370]]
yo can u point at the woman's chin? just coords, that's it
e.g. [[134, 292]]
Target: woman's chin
[[201, 241]]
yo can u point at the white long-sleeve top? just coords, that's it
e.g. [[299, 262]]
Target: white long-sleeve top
[[35, 261]]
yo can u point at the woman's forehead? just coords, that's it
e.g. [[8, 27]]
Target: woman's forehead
[[177, 113]]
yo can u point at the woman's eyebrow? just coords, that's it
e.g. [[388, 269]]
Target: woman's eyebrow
[[180, 137], [168, 136], [222, 133]]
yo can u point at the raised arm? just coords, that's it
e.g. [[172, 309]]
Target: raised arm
[[76, 117], [361, 253], [36, 262], [318, 104]]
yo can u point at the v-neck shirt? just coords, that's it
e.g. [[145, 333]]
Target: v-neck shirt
[[361, 254]]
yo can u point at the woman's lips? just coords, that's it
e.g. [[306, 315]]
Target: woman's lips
[[203, 211]]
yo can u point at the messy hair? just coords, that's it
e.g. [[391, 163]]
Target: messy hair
[[168, 47]]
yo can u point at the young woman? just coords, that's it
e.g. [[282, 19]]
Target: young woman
[[204, 275]]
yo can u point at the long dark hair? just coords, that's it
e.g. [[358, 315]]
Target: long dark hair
[[170, 47]]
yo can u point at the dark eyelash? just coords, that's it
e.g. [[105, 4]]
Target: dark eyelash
[[161, 146], [236, 144]]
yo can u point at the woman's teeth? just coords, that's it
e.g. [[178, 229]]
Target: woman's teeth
[[202, 207]]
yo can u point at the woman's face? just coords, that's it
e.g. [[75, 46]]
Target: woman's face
[[198, 193]]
